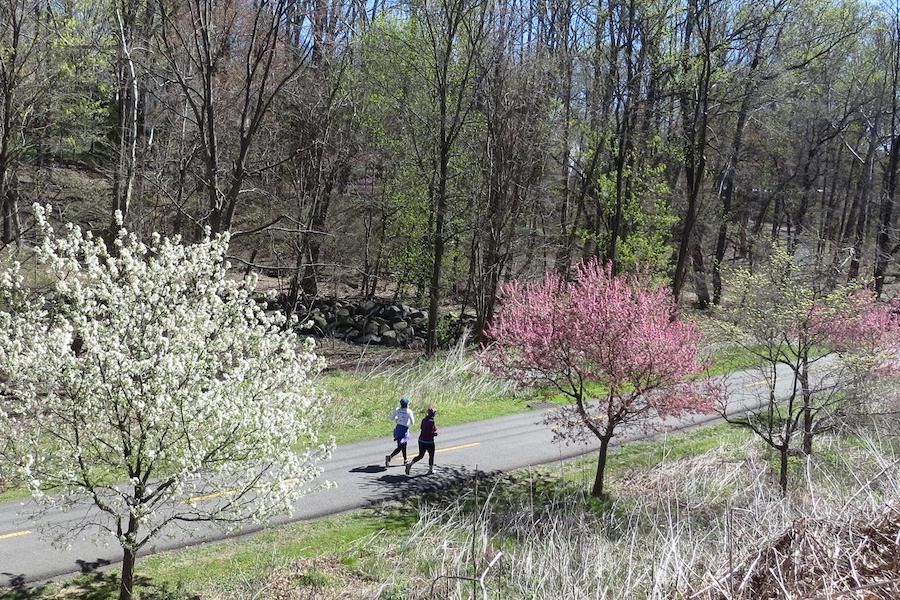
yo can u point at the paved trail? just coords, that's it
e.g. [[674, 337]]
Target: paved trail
[[501, 444]]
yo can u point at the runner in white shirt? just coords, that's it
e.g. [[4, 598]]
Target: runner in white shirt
[[404, 419]]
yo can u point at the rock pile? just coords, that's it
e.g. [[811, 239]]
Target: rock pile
[[374, 322], [366, 322]]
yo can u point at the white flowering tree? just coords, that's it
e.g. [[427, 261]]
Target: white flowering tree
[[153, 388]]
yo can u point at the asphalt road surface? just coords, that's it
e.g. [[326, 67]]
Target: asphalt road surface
[[501, 444]]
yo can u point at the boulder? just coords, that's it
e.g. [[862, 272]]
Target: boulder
[[400, 325], [390, 339], [391, 312]]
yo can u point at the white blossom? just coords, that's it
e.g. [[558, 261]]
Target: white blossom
[[147, 377]]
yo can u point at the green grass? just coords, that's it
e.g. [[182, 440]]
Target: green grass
[[178, 574], [732, 359], [332, 553], [724, 361], [340, 536], [738, 358], [360, 406], [676, 446], [663, 448], [14, 494]]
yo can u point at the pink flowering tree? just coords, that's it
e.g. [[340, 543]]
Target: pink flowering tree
[[605, 329], [821, 347]]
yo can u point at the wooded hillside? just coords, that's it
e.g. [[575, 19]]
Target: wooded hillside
[[432, 149]]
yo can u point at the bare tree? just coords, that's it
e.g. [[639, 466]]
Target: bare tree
[[454, 31], [21, 47], [230, 62], [884, 251]]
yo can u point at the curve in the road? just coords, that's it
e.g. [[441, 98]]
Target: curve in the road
[[500, 444]]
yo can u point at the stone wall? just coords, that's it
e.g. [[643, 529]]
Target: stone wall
[[376, 322]]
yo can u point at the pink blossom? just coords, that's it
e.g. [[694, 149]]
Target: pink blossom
[[601, 328], [859, 324], [863, 330]]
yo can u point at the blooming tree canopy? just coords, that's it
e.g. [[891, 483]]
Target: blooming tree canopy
[[605, 329], [153, 386], [830, 342]]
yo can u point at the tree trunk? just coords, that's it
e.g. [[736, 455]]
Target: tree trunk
[[783, 468], [799, 217], [8, 213], [127, 109], [434, 290], [126, 585], [731, 167], [699, 266], [886, 216], [721, 247], [862, 196], [492, 265], [597, 489], [695, 111], [9, 210], [566, 237], [685, 244], [807, 430], [623, 144], [807, 408], [310, 279]]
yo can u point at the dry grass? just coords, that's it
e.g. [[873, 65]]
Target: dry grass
[[707, 525], [815, 558], [456, 370], [305, 579], [692, 528], [712, 526], [364, 394]]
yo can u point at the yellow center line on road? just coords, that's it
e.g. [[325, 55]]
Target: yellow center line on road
[[460, 447], [756, 384], [196, 499], [14, 534], [215, 495]]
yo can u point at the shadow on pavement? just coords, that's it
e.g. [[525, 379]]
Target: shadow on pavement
[[13, 582], [369, 469], [91, 586], [89, 566], [398, 486], [399, 496], [393, 479]]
